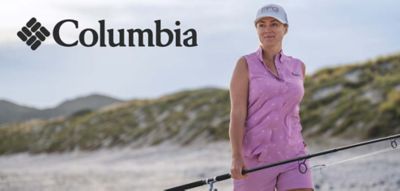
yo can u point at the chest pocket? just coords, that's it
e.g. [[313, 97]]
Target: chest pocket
[[295, 83], [294, 74], [295, 71]]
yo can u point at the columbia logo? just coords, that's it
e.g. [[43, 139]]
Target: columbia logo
[[33, 33]]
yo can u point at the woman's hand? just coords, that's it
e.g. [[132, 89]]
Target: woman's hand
[[237, 167]]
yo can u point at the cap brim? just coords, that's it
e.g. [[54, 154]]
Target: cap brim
[[272, 16]]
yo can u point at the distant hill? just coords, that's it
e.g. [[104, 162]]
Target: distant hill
[[11, 112], [355, 101]]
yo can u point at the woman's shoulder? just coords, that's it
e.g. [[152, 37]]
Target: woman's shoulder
[[296, 63], [246, 58], [293, 59], [241, 63]]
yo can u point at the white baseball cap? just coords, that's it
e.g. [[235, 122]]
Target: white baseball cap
[[274, 11]]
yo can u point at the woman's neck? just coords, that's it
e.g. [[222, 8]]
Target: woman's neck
[[269, 53]]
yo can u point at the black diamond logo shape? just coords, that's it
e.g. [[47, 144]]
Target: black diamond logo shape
[[33, 33]]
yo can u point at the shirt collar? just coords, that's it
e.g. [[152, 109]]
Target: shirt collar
[[281, 55]]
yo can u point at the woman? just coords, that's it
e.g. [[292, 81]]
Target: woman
[[266, 90]]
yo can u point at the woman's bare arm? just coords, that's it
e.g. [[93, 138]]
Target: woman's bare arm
[[238, 96]]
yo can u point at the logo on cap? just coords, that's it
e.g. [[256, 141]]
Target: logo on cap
[[270, 8], [33, 33]]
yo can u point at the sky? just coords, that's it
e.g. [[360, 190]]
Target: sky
[[322, 34]]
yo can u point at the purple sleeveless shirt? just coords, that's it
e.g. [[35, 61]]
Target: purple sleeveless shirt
[[272, 127]]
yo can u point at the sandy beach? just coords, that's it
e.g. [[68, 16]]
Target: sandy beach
[[160, 167]]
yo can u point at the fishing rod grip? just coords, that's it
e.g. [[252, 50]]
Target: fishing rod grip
[[222, 177], [244, 171]]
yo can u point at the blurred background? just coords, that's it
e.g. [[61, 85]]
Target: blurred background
[[149, 118]]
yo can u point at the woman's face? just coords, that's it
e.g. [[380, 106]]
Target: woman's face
[[270, 31]]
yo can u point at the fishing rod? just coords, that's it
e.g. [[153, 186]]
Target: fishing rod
[[301, 160], [320, 166]]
